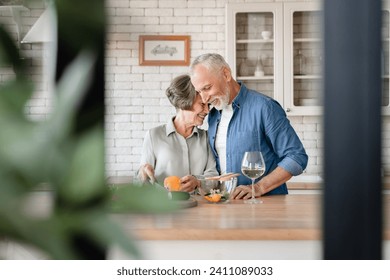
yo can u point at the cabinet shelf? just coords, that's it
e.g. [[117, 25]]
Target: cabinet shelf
[[307, 77], [254, 41], [254, 78], [307, 40]]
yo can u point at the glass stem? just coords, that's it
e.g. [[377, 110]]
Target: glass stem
[[253, 188]]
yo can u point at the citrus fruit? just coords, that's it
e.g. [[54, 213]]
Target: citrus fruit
[[172, 183], [213, 197], [216, 197]]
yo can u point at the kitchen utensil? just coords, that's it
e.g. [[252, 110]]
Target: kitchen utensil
[[223, 177]]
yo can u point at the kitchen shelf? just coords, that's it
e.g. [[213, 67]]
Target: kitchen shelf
[[254, 78], [307, 77], [254, 41], [307, 40]]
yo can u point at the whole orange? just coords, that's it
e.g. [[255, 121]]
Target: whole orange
[[172, 183]]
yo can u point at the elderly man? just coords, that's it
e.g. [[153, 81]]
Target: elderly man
[[245, 120]]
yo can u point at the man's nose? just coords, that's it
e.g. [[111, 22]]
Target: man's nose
[[204, 97]]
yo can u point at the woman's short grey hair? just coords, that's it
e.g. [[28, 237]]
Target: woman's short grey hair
[[212, 61], [181, 93]]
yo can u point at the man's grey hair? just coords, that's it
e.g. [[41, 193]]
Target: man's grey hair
[[212, 61]]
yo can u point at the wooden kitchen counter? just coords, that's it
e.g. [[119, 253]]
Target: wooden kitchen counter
[[279, 217]]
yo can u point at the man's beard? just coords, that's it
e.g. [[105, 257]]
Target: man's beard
[[223, 101]]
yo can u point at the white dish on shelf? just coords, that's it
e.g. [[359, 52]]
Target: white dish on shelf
[[266, 34], [308, 102]]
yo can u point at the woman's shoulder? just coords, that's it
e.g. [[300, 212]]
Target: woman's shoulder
[[157, 130]]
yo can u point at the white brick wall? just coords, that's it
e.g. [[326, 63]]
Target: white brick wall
[[145, 86], [40, 104], [135, 95]]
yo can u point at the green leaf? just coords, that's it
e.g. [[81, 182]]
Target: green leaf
[[49, 235], [85, 178], [14, 95], [141, 199], [69, 94]]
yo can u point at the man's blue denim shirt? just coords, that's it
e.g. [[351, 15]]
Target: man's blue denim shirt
[[259, 123]]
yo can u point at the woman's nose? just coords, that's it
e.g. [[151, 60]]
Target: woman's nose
[[206, 108]]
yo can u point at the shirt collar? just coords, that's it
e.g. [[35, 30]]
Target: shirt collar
[[170, 128], [238, 100]]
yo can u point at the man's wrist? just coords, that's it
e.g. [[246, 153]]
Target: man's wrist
[[259, 189]]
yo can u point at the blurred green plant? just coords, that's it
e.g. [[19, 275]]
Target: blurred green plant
[[36, 152]]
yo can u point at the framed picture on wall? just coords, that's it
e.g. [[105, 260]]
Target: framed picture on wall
[[160, 50]]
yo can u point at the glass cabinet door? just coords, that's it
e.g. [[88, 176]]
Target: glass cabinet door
[[254, 46], [276, 49], [303, 58]]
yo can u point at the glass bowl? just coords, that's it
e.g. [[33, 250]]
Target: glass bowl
[[217, 191]]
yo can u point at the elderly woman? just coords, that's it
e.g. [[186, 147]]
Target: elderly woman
[[179, 147]]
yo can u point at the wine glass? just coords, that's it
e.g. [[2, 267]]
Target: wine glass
[[253, 167]]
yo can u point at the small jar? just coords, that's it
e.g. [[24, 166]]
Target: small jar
[[259, 70], [299, 64], [243, 69]]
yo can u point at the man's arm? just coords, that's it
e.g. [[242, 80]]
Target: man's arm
[[273, 180]]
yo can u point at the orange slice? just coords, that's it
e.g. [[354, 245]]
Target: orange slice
[[213, 197], [216, 197]]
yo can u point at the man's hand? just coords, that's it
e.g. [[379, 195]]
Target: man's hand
[[245, 192]]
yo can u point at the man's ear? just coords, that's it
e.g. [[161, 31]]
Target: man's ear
[[227, 74]]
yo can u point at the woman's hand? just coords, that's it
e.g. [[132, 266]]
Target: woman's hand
[[146, 173], [189, 183]]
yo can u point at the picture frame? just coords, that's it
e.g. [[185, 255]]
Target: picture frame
[[164, 50]]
